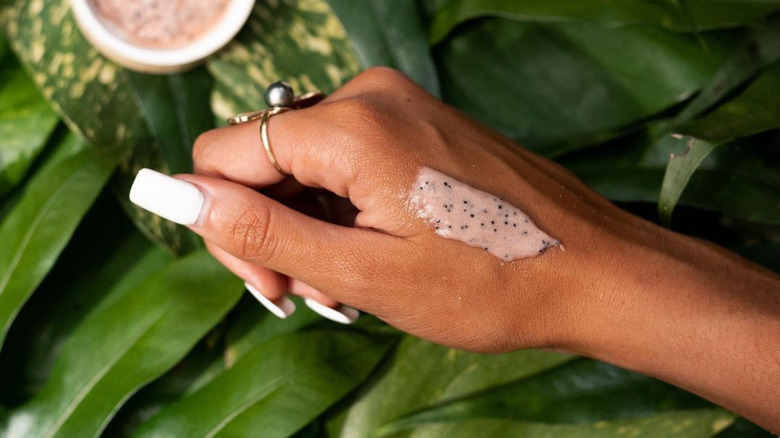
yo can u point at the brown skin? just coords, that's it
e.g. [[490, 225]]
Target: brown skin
[[624, 290]]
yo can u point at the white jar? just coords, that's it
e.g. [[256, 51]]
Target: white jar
[[160, 60]]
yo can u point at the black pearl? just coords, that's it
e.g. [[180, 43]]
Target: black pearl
[[279, 94]]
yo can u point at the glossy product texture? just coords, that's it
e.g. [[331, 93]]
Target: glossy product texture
[[460, 212]]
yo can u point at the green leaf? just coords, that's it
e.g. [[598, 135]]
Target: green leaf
[[26, 122], [124, 344], [148, 120], [679, 172], [422, 374], [105, 256], [755, 110], [266, 389], [299, 41], [254, 325], [694, 424], [579, 78], [582, 391], [760, 49], [686, 16], [248, 325], [41, 223], [741, 179], [389, 33], [744, 429]]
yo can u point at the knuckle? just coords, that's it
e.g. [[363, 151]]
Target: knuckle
[[250, 235], [361, 110], [384, 76]]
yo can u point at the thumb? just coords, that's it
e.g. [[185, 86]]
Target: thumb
[[255, 228]]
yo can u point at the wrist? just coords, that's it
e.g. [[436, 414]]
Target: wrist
[[693, 315]]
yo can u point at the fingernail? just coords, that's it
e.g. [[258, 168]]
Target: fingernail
[[171, 198], [282, 307], [342, 314]]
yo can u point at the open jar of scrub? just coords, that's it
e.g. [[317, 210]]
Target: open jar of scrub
[[160, 36]]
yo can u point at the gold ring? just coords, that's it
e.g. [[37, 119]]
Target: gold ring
[[269, 151], [301, 101], [281, 102]]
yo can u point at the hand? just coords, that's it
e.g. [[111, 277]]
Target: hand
[[623, 290], [367, 142]]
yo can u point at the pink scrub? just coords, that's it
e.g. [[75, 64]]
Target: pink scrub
[[460, 212], [160, 24]]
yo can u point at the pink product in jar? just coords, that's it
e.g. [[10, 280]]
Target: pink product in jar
[[160, 24]]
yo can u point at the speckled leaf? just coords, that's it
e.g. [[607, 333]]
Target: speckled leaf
[[144, 119], [300, 41], [39, 226], [124, 344], [26, 121], [421, 374], [695, 424], [275, 389], [390, 33], [674, 15], [92, 94], [581, 391], [582, 79]]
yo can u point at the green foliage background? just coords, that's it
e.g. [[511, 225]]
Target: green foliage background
[[116, 323]]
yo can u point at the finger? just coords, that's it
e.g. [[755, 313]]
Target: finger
[[302, 289], [319, 145], [333, 259], [342, 313], [265, 285], [324, 305]]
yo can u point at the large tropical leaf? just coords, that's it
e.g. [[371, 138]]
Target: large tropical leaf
[[150, 121], [692, 424], [759, 50], [421, 374], [299, 41], [124, 344], [741, 179], [39, 226], [276, 388], [26, 121], [582, 391], [689, 16], [389, 33], [105, 249], [248, 325], [551, 85]]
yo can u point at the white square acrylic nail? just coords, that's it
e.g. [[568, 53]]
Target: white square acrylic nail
[[171, 198]]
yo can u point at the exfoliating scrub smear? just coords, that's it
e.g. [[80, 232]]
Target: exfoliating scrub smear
[[461, 212], [160, 36]]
